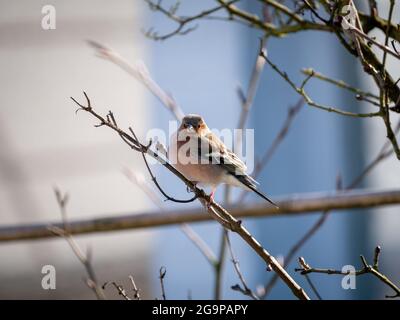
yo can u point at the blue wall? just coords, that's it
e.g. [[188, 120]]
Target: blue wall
[[202, 70]]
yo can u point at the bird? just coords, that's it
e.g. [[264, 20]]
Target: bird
[[198, 153]]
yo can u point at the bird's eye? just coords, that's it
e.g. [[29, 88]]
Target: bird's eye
[[185, 125]]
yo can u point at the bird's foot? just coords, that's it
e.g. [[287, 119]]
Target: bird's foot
[[190, 190], [211, 199]]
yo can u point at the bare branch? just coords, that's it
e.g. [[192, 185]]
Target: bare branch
[[310, 102], [339, 83], [367, 269], [163, 272], [245, 290], [182, 22], [85, 259], [279, 138], [292, 205], [186, 229], [139, 72], [119, 288]]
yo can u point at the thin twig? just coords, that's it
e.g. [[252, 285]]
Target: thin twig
[[339, 83], [245, 290], [139, 72], [136, 294], [163, 272], [310, 102], [182, 22], [279, 138], [186, 229], [85, 259], [312, 286], [218, 270], [119, 288]]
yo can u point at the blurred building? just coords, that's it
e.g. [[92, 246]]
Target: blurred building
[[45, 144]]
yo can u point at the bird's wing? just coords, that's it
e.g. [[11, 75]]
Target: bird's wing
[[223, 155]]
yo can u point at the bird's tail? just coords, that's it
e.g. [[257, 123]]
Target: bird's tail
[[263, 196], [250, 183]]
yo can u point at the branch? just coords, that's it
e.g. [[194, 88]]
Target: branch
[[217, 211], [181, 21], [140, 73], [339, 83], [367, 269], [245, 290], [269, 28], [219, 266], [361, 34], [292, 205], [119, 288], [186, 229], [136, 294], [163, 272], [281, 135], [63, 231], [300, 90]]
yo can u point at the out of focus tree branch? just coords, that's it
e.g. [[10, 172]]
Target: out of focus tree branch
[[293, 205]]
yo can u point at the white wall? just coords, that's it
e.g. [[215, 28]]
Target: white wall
[[43, 143]]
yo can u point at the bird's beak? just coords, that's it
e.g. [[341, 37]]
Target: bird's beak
[[190, 128]]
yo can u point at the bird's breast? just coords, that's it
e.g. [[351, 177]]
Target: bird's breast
[[189, 163]]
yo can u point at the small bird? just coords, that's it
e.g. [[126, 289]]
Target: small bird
[[203, 158]]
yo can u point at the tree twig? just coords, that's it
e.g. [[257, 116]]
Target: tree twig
[[279, 138], [85, 259], [163, 272], [139, 72], [186, 229], [366, 269], [119, 288], [339, 83], [245, 290]]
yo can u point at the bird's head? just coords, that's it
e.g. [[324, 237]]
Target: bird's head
[[192, 123]]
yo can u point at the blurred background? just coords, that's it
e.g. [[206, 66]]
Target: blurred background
[[45, 144]]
